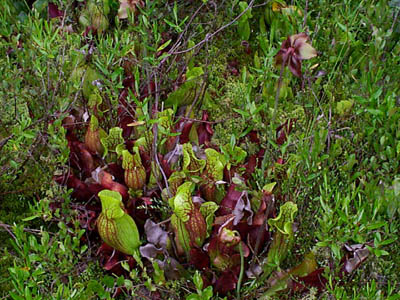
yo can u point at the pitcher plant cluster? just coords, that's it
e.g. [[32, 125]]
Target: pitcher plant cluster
[[196, 204]]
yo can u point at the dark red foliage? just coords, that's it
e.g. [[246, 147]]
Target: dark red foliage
[[146, 159], [116, 170], [247, 47], [145, 91], [293, 50], [312, 280], [89, 29], [199, 259], [204, 130], [251, 165], [251, 232], [81, 191], [253, 137], [164, 164], [140, 210], [126, 111], [233, 67], [87, 219], [106, 180], [123, 107], [229, 201], [54, 12], [127, 131], [80, 158], [184, 137], [284, 130], [227, 281], [112, 263], [117, 292], [253, 162], [111, 259], [280, 161], [69, 123], [85, 158], [129, 82]]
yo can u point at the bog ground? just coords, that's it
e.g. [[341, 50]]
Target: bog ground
[[199, 149]]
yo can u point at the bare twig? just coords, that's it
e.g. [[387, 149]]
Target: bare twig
[[202, 121], [62, 58], [262, 4], [164, 222], [278, 90], [209, 36], [305, 15], [316, 98], [395, 20], [178, 41], [155, 137], [8, 228]]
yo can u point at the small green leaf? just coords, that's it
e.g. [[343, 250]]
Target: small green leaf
[[194, 73], [30, 218], [269, 187], [198, 281], [163, 46]]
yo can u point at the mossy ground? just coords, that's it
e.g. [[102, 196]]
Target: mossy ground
[[342, 158], [13, 208]]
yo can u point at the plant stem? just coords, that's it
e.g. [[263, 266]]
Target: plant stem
[[278, 90], [239, 283]]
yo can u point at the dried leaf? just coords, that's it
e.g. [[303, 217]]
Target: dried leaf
[[243, 204], [155, 234], [150, 251]]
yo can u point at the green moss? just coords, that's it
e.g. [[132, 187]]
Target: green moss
[[13, 208]]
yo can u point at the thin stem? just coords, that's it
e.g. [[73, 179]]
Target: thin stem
[[263, 226], [155, 136], [278, 90], [239, 283], [209, 36]]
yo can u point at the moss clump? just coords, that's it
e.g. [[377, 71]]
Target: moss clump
[[13, 208]]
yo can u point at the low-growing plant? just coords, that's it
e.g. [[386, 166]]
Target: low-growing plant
[[161, 119]]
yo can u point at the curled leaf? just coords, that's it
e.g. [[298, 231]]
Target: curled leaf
[[355, 256], [283, 222], [208, 210], [182, 203], [93, 135], [223, 248], [283, 237], [191, 163], [182, 238], [215, 164], [175, 180], [284, 279], [187, 220], [115, 226], [155, 234], [113, 142], [150, 251], [135, 174]]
